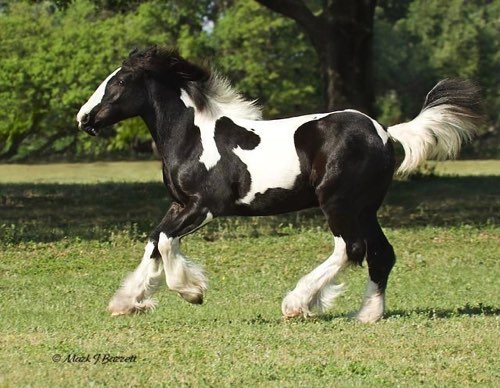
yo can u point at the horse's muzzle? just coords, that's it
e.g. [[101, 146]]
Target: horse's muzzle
[[90, 130], [87, 128], [85, 125]]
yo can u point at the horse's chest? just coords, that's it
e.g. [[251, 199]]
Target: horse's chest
[[273, 164]]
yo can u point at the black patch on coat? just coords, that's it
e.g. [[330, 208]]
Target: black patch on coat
[[229, 180], [229, 135]]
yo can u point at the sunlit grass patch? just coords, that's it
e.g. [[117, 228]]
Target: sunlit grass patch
[[65, 249]]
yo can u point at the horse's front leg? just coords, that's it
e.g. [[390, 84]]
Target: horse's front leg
[[135, 294], [182, 275], [162, 255]]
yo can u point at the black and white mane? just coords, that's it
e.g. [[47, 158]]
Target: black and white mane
[[211, 93], [220, 159]]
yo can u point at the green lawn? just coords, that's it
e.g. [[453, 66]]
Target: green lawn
[[67, 240], [90, 173]]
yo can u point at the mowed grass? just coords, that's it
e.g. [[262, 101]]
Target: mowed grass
[[65, 247]]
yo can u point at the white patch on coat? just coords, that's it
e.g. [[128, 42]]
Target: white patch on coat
[[317, 290], [222, 100], [274, 163], [95, 99], [209, 218], [206, 123], [372, 308]]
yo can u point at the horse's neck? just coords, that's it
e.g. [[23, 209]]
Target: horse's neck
[[167, 120]]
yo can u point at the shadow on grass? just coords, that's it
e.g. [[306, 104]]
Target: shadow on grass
[[427, 313], [442, 201], [430, 313], [51, 212]]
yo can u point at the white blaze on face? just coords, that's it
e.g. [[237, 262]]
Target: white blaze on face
[[95, 99]]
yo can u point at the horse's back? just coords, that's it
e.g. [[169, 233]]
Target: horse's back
[[346, 155], [343, 137], [299, 160]]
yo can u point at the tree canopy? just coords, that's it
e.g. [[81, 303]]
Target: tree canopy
[[55, 53]]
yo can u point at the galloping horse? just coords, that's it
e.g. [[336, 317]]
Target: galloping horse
[[220, 159]]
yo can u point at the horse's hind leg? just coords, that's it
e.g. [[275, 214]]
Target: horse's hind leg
[[138, 287], [380, 258], [317, 289]]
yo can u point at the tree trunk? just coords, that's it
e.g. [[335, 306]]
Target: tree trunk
[[16, 142], [342, 36]]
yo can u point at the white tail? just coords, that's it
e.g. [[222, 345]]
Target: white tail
[[450, 116]]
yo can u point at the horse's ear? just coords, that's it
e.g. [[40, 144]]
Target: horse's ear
[[188, 71], [147, 54], [185, 70], [151, 51]]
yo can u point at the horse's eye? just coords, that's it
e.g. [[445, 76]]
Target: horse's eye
[[121, 82]]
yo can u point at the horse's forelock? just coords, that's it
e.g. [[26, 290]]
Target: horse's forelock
[[166, 63]]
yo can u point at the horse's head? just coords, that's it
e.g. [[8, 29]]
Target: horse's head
[[120, 96], [124, 93]]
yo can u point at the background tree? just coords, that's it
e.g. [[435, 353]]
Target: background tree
[[54, 59], [253, 48], [418, 42], [55, 53], [341, 33]]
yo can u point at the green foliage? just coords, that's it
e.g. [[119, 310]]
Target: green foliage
[[55, 53], [430, 40], [269, 59], [58, 56], [56, 60]]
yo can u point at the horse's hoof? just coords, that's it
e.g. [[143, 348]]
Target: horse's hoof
[[365, 318], [117, 309], [292, 313], [118, 313], [193, 298], [127, 311]]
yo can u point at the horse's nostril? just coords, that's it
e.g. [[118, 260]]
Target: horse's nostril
[[85, 118]]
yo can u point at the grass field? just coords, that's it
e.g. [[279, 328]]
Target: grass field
[[69, 233]]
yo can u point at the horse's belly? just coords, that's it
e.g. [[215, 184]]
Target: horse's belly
[[278, 201]]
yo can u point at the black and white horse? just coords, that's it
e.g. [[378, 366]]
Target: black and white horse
[[220, 159]]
